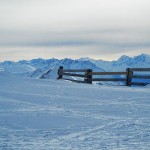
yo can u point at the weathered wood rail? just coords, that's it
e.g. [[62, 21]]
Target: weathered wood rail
[[87, 75], [132, 76]]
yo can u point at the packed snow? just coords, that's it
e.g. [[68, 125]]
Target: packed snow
[[56, 114]]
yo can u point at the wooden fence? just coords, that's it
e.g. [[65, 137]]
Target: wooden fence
[[87, 75]]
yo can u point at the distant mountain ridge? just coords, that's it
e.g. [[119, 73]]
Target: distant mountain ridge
[[41, 68], [123, 62], [47, 68]]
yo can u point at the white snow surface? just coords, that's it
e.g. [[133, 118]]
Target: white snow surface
[[55, 114]]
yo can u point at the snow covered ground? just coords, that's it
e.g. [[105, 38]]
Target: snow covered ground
[[50, 114]]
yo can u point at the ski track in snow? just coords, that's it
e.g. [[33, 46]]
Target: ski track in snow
[[48, 114]]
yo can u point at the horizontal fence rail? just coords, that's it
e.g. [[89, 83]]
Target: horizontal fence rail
[[140, 77], [108, 73], [74, 70], [87, 75], [140, 84], [140, 69], [109, 79], [73, 74]]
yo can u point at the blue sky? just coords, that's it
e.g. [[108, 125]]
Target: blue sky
[[100, 29]]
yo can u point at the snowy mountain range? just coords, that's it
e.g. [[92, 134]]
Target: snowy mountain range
[[41, 68], [47, 68], [123, 62]]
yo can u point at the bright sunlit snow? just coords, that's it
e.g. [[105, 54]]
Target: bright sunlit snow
[[55, 114]]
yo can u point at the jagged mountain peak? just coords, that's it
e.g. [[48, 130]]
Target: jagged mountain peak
[[124, 58], [142, 57]]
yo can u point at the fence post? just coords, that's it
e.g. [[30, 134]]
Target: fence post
[[60, 71], [129, 77], [88, 76]]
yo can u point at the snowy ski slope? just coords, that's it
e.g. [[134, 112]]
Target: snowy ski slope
[[49, 114]]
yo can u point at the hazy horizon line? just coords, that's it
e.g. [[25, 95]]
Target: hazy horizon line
[[73, 58]]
